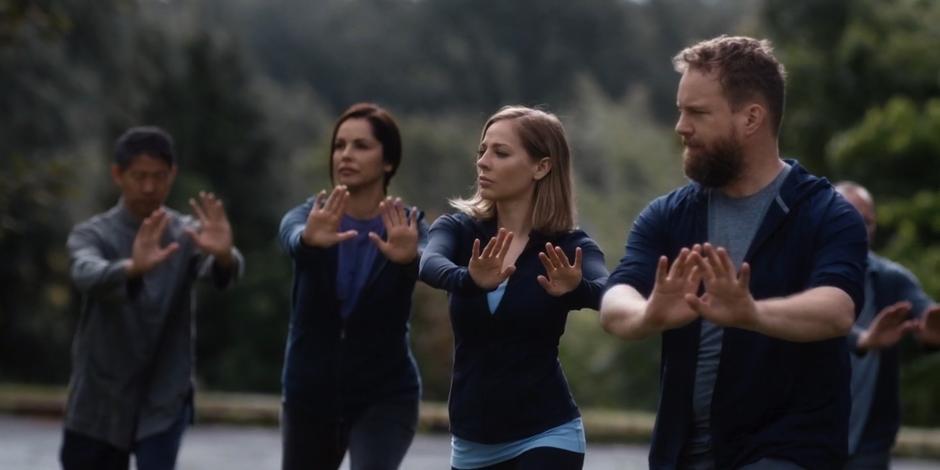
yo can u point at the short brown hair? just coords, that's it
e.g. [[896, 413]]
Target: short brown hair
[[542, 136], [384, 130], [746, 68]]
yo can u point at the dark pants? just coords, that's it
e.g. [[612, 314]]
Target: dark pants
[[157, 452], [542, 458], [377, 437]]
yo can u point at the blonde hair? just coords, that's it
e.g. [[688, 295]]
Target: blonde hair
[[542, 136]]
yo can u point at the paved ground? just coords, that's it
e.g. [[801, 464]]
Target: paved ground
[[32, 444]]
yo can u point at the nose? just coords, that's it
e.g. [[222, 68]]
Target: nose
[[683, 128], [483, 162], [148, 185]]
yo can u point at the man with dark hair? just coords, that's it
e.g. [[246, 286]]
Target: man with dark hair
[[131, 391], [894, 305], [766, 272]]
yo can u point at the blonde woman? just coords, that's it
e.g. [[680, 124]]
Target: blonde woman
[[514, 265]]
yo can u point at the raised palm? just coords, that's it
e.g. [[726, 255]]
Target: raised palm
[[560, 276], [666, 307], [322, 229], [486, 267], [214, 234], [146, 252], [401, 231]]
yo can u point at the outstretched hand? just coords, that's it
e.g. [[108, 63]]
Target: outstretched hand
[[727, 300], [560, 276], [888, 327], [928, 327], [147, 252], [322, 229], [666, 307], [401, 231], [214, 235], [486, 268]]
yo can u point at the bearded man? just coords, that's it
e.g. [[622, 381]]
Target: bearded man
[[753, 275]]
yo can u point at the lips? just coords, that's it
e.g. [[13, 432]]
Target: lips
[[346, 171], [484, 181]]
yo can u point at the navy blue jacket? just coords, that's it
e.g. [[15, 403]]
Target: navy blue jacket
[[507, 382], [891, 284], [334, 366], [772, 398]]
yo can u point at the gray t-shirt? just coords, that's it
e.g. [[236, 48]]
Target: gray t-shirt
[[132, 354], [732, 224]]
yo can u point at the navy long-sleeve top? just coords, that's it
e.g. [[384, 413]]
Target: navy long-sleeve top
[[336, 365], [772, 398], [507, 382]]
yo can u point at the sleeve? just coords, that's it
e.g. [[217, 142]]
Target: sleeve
[[593, 277], [909, 289], [291, 229], [840, 252], [92, 273], [223, 277], [645, 244], [438, 267]]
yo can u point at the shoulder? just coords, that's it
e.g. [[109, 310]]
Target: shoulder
[[455, 221], [576, 238], [890, 270]]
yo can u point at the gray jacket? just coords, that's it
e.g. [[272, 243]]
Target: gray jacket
[[133, 334]]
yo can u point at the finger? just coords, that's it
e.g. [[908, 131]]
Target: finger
[[165, 252], [714, 260], [679, 265], [200, 213], [561, 257], [214, 204], [341, 203], [697, 305], [382, 245], [332, 202], [496, 243], [543, 281], [552, 256], [475, 251], [661, 270], [383, 211], [398, 212], [578, 256], [744, 277], [727, 265], [413, 217], [546, 263], [488, 249], [192, 234], [349, 234], [694, 277], [507, 271], [160, 225], [319, 200], [708, 274]]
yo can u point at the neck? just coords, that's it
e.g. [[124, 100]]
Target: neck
[[515, 216], [364, 202], [761, 166]]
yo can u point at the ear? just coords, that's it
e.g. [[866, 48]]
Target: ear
[[116, 174], [754, 115], [388, 167], [173, 171], [542, 168]]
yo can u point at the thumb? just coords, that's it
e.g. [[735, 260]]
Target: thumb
[[507, 272], [377, 240], [543, 281], [696, 304], [343, 236]]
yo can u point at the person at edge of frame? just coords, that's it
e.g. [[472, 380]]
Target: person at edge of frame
[[895, 305], [131, 390], [752, 273]]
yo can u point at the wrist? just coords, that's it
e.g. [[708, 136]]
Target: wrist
[[131, 270]]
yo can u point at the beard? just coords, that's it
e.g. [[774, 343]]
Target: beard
[[716, 165]]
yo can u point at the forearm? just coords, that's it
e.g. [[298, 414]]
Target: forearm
[[816, 314], [622, 313]]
